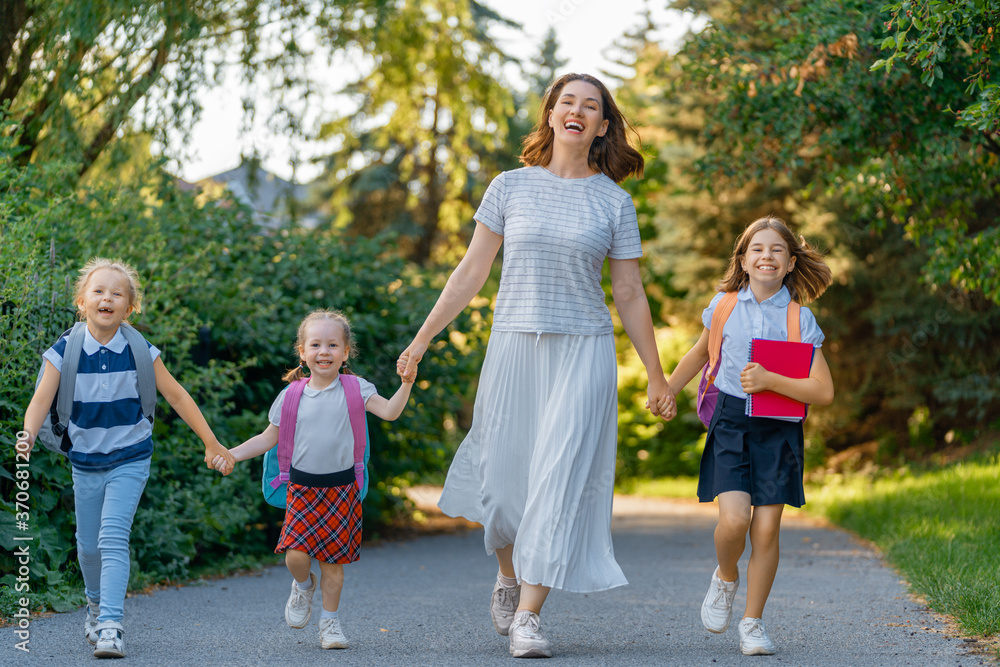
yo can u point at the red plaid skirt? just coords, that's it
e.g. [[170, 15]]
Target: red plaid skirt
[[325, 522]]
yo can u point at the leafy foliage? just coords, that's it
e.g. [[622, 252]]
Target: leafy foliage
[[75, 73], [927, 33], [796, 100]]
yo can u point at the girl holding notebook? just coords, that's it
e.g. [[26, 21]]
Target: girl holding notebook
[[754, 465]]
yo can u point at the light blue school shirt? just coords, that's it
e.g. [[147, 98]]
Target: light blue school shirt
[[749, 320], [107, 427]]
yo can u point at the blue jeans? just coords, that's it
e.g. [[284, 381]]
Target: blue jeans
[[105, 506]]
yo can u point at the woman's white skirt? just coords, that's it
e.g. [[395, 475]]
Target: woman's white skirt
[[537, 468]]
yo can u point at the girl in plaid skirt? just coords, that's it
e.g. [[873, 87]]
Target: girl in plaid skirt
[[323, 509]]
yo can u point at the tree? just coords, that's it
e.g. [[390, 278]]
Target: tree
[[75, 74], [797, 100], [926, 33], [430, 127], [546, 65]]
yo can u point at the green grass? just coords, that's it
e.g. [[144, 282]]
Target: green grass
[[940, 528]]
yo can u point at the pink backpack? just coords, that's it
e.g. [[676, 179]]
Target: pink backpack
[[708, 393], [278, 459]]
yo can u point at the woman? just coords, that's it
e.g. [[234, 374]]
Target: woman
[[537, 467]]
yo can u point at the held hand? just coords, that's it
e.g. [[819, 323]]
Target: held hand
[[215, 450], [24, 443], [406, 366], [401, 370], [222, 465], [755, 378], [660, 399]]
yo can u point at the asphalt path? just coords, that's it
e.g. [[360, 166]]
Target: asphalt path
[[425, 601]]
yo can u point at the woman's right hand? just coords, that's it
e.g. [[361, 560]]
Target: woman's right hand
[[406, 365]]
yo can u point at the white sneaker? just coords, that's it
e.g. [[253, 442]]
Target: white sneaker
[[90, 623], [753, 637], [110, 641], [503, 604], [298, 609], [525, 639], [330, 634], [717, 608]]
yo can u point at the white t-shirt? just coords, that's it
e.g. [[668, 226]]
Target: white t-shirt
[[324, 441], [557, 233]]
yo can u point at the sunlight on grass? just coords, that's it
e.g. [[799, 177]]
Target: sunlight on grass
[[667, 487], [940, 528]]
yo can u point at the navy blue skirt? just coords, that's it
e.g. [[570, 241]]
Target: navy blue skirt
[[763, 457]]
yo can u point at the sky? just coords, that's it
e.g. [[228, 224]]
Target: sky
[[585, 30]]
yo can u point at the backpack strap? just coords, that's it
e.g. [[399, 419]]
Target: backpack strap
[[286, 430], [67, 377], [723, 310], [143, 369], [356, 412], [794, 327]]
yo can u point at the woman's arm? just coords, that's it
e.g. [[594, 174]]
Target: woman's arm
[[817, 389], [465, 282], [390, 409], [184, 405], [633, 309]]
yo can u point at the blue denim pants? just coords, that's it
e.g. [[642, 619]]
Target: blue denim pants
[[105, 506]]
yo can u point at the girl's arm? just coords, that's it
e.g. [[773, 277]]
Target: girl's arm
[[184, 405], [633, 309], [252, 448], [817, 389], [691, 363], [465, 282], [41, 402], [390, 409]]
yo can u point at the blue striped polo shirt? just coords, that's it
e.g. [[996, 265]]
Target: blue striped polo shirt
[[107, 427]]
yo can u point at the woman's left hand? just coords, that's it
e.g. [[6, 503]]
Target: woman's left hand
[[754, 378]]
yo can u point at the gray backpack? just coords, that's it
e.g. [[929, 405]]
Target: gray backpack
[[53, 434]]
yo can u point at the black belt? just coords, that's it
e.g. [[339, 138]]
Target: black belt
[[325, 480]]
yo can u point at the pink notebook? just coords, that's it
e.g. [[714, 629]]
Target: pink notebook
[[786, 358]]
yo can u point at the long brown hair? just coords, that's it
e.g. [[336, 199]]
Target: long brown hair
[[320, 314], [611, 154], [805, 283]]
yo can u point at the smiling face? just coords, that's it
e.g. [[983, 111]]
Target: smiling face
[[105, 300], [577, 115], [767, 261], [323, 351]]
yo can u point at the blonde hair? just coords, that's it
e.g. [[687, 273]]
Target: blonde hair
[[806, 283], [320, 314], [126, 269]]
